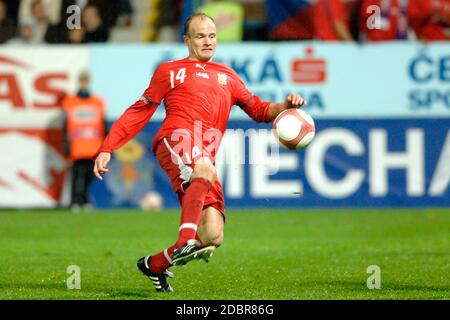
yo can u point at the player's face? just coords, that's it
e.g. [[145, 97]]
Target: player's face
[[201, 40]]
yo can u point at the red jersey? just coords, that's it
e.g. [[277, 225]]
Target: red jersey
[[195, 94], [326, 12], [430, 19]]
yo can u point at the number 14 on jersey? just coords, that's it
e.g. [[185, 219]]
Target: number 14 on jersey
[[180, 76]]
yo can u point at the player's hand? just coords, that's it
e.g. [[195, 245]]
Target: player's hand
[[101, 162], [294, 101]]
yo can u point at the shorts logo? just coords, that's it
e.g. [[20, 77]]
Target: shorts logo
[[222, 79]]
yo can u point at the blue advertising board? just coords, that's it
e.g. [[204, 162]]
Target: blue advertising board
[[357, 163]]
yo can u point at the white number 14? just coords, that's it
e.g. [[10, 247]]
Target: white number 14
[[181, 75]]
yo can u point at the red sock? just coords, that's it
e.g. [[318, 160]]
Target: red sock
[[160, 262], [192, 208]]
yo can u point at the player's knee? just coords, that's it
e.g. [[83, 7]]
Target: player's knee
[[205, 170]]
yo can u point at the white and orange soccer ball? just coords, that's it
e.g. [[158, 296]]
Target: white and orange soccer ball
[[294, 129], [151, 201]]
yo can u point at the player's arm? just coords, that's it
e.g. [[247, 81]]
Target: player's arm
[[263, 111], [292, 101], [132, 121]]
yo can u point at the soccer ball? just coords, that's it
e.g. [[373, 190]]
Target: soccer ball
[[151, 201], [294, 128]]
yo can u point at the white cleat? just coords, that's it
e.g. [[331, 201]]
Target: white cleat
[[192, 251]]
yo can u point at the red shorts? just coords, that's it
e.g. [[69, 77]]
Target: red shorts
[[178, 166]]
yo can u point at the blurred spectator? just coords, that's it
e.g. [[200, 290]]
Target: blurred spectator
[[255, 21], [84, 133], [430, 19], [59, 33], [76, 36], [353, 8], [169, 18], [64, 15], [52, 9], [38, 21], [289, 19], [228, 17], [112, 12], [7, 26], [26, 29], [46, 17], [125, 14], [108, 11], [96, 30], [392, 23], [331, 21], [39, 15]]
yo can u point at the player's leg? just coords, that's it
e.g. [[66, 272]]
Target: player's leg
[[202, 179], [211, 226], [198, 179], [210, 229], [155, 267], [159, 279], [209, 233], [187, 247]]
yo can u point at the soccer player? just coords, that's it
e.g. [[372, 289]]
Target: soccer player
[[198, 95]]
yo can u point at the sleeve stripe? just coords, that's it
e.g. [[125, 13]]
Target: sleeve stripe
[[248, 101], [150, 100]]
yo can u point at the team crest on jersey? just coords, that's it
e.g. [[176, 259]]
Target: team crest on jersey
[[222, 79]]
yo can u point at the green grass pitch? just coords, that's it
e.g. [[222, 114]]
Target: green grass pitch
[[267, 254]]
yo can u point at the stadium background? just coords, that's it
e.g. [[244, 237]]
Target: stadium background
[[381, 112]]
